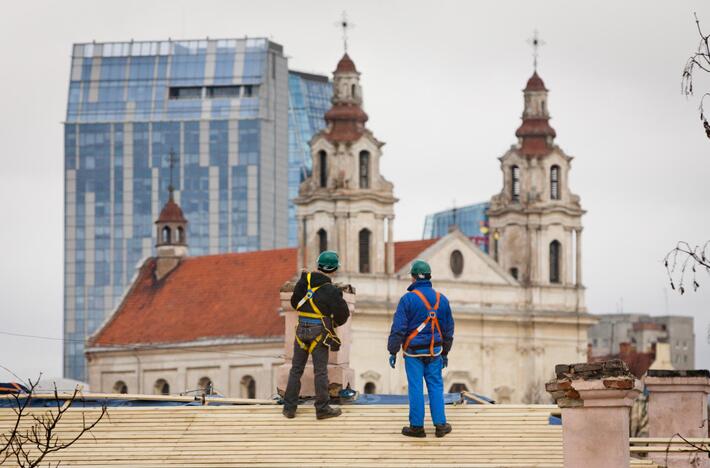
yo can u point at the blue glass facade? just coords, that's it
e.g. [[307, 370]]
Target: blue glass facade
[[221, 106], [309, 99], [472, 220]]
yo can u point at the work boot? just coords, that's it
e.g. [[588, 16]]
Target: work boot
[[413, 431], [442, 429], [329, 413], [289, 413]]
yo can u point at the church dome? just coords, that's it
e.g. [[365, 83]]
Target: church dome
[[172, 213], [535, 83], [346, 65]]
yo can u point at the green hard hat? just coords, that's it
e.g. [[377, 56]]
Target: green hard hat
[[420, 268], [328, 261]]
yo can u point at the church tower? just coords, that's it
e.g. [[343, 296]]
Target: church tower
[[171, 232], [346, 204], [536, 221]]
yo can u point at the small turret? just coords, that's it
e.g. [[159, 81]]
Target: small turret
[[171, 231]]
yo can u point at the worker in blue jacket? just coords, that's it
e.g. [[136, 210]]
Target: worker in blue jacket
[[423, 328]]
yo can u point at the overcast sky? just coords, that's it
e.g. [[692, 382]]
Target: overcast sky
[[442, 83]]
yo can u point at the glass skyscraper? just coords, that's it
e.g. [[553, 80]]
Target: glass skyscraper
[[309, 100], [472, 220], [221, 108]]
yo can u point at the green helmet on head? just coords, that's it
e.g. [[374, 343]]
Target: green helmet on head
[[420, 269], [328, 261]]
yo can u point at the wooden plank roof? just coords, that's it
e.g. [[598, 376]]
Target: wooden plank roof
[[259, 436]]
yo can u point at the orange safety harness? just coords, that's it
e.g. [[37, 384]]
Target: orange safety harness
[[434, 326]]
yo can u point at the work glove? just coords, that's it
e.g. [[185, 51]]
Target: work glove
[[393, 359], [445, 361]]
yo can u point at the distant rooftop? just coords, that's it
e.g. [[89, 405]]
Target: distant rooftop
[[168, 47]]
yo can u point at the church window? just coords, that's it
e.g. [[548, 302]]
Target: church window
[[458, 388], [352, 91], [165, 235], [248, 387], [364, 248], [514, 272], [364, 169], [323, 162], [120, 387], [554, 261], [456, 262], [515, 183], [161, 387], [370, 388], [322, 240], [555, 182], [180, 235], [205, 385]]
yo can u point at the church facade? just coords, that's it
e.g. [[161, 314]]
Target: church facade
[[206, 322]]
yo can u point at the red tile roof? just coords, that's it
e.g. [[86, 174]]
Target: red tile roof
[[405, 252], [228, 295], [213, 296]]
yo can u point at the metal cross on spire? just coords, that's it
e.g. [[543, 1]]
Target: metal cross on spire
[[536, 43], [346, 26], [172, 159]]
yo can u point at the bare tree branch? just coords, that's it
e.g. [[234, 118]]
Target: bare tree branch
[[700, 60], [683, 262], [30, 446]]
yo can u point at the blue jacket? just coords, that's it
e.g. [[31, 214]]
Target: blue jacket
[[411, 312]]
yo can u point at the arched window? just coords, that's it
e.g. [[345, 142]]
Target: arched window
[[370, 388], [515, 183], [205, 384], [514, 272], [161, 387], [120, 387], [364, 169], [323, 163], [555, 182], [165, 235], [353, 91], [555, 261], [180, 235], [458, 388], [322, 240], [364, 248], [248, 387]]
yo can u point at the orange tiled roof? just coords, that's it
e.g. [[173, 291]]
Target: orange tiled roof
[[405, 252], [213, 296], [227, 295]]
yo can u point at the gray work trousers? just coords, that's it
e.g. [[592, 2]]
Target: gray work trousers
[[307, 332]]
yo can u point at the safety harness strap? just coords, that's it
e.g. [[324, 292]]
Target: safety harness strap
[[329, 337], [430, 318]]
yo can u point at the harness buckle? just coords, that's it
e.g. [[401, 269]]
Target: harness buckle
[[309, 294], [432, 314]]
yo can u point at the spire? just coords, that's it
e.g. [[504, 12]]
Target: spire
[[535, 134], [346, 119]]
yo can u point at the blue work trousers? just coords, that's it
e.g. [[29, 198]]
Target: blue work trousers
[[429, 370]]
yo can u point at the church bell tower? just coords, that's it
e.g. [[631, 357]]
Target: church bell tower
[[346, 204], [536, 220]]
